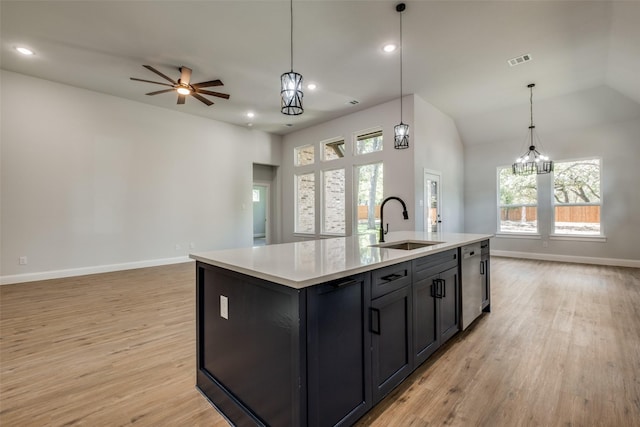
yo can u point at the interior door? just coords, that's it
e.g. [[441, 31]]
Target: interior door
[[432, 219]]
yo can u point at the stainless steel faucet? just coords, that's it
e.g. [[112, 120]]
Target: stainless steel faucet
[[405, 214]]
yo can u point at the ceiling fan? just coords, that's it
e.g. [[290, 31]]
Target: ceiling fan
[[184, 87]]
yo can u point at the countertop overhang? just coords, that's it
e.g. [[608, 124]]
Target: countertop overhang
[[307, 263]]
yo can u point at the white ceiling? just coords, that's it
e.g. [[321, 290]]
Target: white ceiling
[[586, 56]]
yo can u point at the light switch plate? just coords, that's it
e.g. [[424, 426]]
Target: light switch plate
[[224, 307]]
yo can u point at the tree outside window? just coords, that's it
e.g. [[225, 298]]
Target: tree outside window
[[518, 202], [577, 197]]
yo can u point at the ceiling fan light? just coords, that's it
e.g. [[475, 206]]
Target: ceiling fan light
[[184, 91]]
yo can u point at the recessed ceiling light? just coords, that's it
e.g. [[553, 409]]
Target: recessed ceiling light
[[251, 114], [312, 86], [249, 124], [389, 47], [24, 50]]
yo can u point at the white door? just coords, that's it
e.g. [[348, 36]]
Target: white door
[[432, 208]]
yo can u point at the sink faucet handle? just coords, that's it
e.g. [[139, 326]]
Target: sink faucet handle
[[387, 229]]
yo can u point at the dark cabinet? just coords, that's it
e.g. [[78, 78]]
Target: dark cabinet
[[338, 351], [391, 340], [436, 303], [486, 277]]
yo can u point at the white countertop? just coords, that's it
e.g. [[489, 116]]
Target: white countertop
[[308, 263]]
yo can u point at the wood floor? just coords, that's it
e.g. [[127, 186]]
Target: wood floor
[[560, 348]]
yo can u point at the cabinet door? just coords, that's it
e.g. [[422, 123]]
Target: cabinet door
[[338, 351], [391, 340], [449, 304], [425, 324]]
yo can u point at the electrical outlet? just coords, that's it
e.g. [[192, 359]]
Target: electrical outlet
[[192, 245], [178, 247], [545, 243], [224, 307], [22, 260]]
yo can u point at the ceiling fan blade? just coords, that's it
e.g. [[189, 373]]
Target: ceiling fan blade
[[149, 81], [181, 99], [201, 99], [208, 92], [160, 91], [185, 75], [150, 68], [208, 84]]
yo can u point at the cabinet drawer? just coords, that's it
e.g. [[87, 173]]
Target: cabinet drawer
[[388, 279], [434, 264]]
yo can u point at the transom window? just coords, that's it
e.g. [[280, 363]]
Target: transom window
[[369, 142], [304, 155]]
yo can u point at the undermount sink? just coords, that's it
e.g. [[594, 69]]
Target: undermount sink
[[407, 245]]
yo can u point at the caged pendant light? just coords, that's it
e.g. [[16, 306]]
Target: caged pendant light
[[291, 84], [401, 131], [532, 161]]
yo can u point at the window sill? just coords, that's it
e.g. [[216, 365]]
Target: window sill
[[577, 238], [534, 236]]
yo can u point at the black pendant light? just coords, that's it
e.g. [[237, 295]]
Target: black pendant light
[[401, 131], [532, 161], [291, 85]]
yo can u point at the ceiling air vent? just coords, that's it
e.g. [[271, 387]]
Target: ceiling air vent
[[353, 102], [519, 60]]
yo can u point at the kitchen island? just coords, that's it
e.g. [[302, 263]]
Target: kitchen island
[[317, 332]]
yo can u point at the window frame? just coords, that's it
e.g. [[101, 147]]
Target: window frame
[[377, 131], [323, 215], [333, 141], [296, 217], [516, 234], [356, 166], [567, 236]]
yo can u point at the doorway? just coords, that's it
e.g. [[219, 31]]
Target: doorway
[[260, 213], [265, 202], [432, 209]]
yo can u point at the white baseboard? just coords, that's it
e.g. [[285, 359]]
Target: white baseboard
[[58, 274], [569, 258]]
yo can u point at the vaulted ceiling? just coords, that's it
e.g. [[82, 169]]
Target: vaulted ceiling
[[585, 56]]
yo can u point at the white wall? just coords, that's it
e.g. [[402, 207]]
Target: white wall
[[438, 148], [617, 144], [92, 180], [434, 144]]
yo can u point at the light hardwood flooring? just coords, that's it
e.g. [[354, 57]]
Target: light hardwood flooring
[[560, 348]]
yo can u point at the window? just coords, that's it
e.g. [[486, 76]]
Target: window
[[369, 191], [577, 197], [333, 150], [518, 202], [369, 142], [333, 213], [304, 155], [305, 203]]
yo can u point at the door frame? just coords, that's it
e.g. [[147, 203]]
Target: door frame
[[429, 174]]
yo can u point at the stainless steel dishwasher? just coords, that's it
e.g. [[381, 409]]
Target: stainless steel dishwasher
[[471, 284]]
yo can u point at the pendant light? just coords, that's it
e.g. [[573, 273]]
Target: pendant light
[[532, 161], [401, 131], [291, 84]]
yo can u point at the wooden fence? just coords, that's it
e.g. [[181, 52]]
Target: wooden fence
[[589, 214]]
